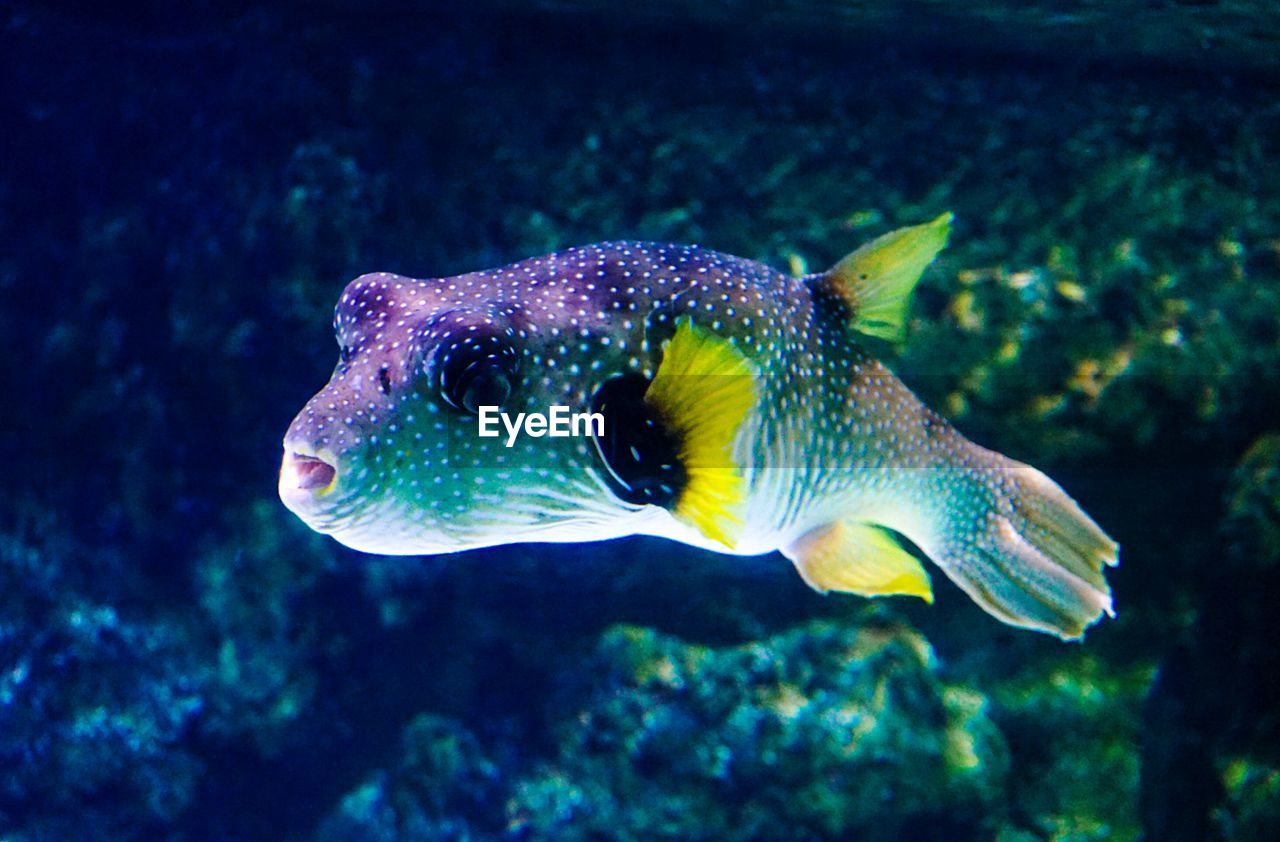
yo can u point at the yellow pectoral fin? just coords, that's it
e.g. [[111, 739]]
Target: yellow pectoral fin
[[703, 391], [860, 558], [876, 281]]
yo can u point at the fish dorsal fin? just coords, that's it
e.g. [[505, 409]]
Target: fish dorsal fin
[[876, 280], [857, 557], [703, 391]]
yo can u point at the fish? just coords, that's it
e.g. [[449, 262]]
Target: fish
[[743, 412]]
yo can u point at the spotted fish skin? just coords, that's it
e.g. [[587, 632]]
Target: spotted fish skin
[[833, 436]]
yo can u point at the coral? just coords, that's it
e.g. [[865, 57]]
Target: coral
[[95, 702], [1253, 507], [1072, 722], [1212, 722], [258, 653], [825, 731], [1250, 810], [442, 787]]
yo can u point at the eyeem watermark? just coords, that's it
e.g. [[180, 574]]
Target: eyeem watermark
[[560, 422]]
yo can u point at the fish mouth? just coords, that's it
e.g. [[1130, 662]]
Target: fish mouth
[[313, 473], [306, 474]]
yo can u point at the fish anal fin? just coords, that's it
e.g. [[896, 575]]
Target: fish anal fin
[[877, 280], [703, 390], [857, 557]]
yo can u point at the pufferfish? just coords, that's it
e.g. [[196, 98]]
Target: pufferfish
[[742, 413]]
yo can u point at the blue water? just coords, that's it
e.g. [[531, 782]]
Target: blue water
[[184, 192]]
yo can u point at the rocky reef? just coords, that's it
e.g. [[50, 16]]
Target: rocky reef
[[824, 731], [187, 192]]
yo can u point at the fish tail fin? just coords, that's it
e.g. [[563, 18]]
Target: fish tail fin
[[1024, 550]]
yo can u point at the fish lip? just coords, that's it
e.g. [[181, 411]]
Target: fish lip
[[313, 473], [307, 472]]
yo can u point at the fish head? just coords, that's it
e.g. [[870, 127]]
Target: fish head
[[388, 456]]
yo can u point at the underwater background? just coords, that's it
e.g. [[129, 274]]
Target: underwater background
[[186, 188]]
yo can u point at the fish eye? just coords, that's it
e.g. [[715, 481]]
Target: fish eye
[[480, 383], [473, 367]]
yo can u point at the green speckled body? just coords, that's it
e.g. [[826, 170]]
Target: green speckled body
[[834, 435]]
